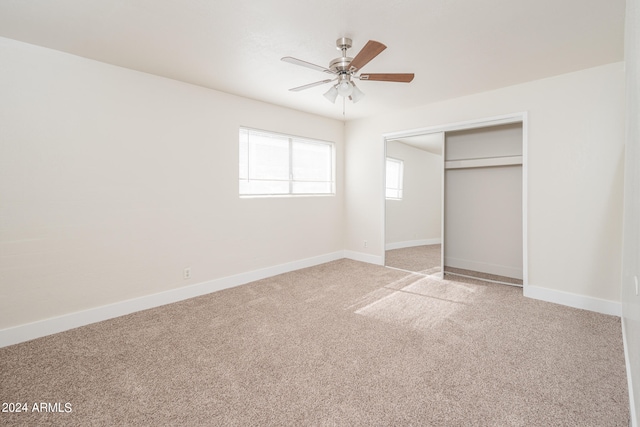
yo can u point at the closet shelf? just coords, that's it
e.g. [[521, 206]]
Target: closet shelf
[[483, 163]]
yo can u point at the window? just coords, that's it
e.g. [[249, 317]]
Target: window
[[394, 178], [274, 164]]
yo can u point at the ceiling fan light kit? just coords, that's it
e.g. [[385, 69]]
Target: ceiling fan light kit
[[344, 86], [356, 94], [331, 94], [345, 69]]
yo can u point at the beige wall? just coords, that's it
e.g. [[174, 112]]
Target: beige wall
[[418, 215], [113, 181], [575, 155]]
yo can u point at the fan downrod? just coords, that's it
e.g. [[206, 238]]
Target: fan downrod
[[341, 65]]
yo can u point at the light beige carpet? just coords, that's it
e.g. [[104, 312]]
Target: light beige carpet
[[344, 343]]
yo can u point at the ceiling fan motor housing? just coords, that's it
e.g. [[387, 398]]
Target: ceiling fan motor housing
[[340, 64]]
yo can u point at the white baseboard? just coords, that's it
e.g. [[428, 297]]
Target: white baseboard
[[41, 328], [573, 300], [359, 256], [483, 267], [411, 244], [633, 415]]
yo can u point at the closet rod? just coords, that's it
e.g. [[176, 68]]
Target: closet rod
[[483, 163]]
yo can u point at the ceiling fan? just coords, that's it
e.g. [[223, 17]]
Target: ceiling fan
[[345, 70]]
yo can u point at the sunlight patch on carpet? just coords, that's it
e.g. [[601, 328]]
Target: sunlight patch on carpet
[[417, 302]]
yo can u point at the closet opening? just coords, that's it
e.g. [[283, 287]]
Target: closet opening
[[483, 203], [474, 185]]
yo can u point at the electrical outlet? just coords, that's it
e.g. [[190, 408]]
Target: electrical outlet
[[635, 279], [186, 273], [365, 244]]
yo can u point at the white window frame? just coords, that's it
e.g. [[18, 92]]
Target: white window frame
[[290, 173], [399, 189]]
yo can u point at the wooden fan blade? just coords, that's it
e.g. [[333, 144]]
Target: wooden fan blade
[[388, 77], [368, 52], [299, 88], [296, 61]]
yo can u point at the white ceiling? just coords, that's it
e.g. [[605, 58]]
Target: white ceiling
[[454, 47]]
